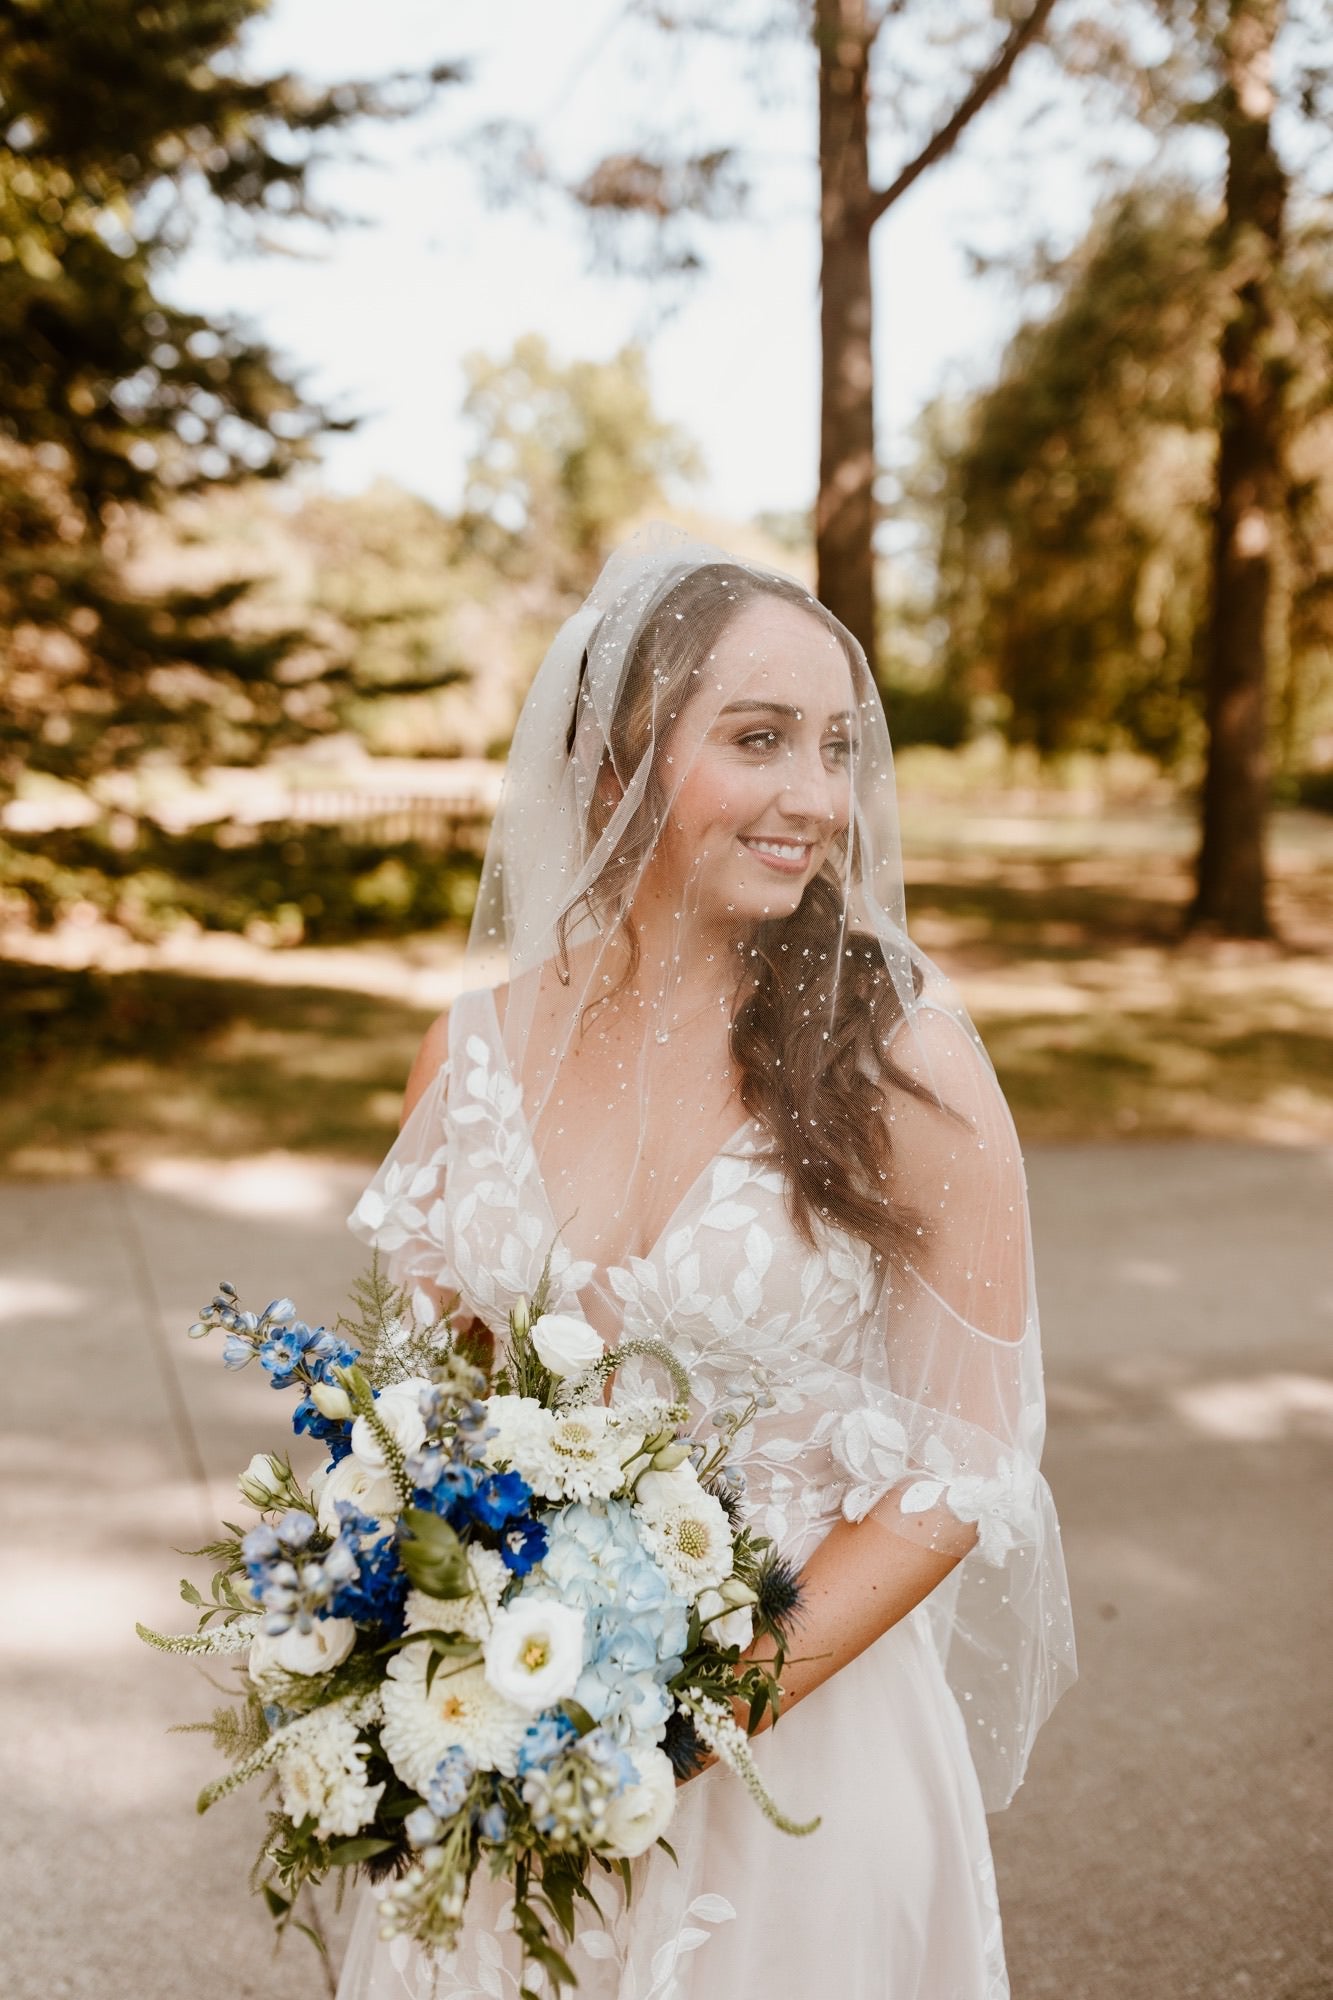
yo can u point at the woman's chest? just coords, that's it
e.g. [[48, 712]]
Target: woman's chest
[[726, 1279]]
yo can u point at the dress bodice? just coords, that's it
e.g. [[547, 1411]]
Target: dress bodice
[[731, 1287]]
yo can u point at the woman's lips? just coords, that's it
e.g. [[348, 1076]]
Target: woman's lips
[[787, 857]]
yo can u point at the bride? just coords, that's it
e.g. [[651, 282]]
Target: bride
[[702, 1066]]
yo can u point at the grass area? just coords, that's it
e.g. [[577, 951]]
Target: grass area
[[1062, 933], [103, 1071], [1101, 1022]]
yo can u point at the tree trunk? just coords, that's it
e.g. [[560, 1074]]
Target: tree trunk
[[845, 509], [1231, 885]]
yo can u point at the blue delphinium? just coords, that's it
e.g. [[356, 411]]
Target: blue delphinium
[[372, 1585], [522, 1545], [543, 1739], [448, 1788], [292, 1583], [335, 1432]]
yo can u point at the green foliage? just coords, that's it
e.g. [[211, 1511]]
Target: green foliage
[[565, 455], [1069, 504], [122, 127], [290, 886], [382, 1325]]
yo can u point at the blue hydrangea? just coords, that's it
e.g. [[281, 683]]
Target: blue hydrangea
[[635, 1626]]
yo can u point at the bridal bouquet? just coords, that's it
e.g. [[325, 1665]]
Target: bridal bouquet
[[497, 1626]]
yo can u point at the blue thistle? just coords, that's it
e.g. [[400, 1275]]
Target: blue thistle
[[777, 1586]]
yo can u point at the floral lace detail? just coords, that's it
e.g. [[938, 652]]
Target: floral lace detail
[[502, 1228], [874, 1448], [484, 1965]]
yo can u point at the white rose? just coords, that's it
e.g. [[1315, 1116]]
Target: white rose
[[534, 1652], [399, 1408], [318, 1651], [566, 1345], [657, 1491], [642, 1812], [370, 1491], [725, 1625]]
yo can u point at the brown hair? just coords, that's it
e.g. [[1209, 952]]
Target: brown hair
[[811, 1047]]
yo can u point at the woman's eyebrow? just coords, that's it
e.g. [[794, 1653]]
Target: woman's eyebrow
[[779, 708]]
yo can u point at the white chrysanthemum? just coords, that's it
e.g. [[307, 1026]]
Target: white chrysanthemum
[[462, 1708], [370, 1492], [516, 1423], [691, 1539], [471, 1616], [323, 1776]]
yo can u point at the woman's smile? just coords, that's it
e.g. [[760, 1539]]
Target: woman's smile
[[788, 857]]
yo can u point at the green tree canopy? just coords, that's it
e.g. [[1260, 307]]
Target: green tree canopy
[[1070, 501], [565, 455], [120, 127]]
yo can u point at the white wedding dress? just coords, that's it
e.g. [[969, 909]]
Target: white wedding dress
[[893, 1898]]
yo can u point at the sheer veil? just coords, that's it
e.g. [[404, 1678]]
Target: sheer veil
[[691, 924]]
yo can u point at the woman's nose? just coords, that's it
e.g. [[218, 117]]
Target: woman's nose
[[808, 788]]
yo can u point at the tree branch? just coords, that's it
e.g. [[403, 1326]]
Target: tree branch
[[983, 89]]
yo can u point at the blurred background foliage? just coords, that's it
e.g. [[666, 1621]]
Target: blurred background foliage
[[250, 730]]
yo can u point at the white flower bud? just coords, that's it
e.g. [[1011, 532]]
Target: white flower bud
[[261, 1484], [670, 1456], [736, 1592], [331, 1401]]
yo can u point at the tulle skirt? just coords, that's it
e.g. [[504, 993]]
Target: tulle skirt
[[893, 1898]]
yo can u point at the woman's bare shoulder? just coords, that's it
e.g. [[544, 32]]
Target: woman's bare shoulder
[[429, 1060]]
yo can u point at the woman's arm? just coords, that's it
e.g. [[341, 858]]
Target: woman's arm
[[860, 1581], [428, 1061]]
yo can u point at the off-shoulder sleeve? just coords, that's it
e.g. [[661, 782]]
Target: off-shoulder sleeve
[[941, 1442], [402, 1213]]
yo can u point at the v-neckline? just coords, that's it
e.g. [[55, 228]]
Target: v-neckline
[[687, 1196]]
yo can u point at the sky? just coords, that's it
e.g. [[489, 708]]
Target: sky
[[378, 317]]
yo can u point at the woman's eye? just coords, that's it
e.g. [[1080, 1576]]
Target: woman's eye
[[760, 739], [839, 749]]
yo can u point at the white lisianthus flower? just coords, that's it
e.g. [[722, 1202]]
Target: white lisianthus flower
[[399, 1408], [725, 1624], [566, 1344], [317, 1651], [534, 1654], [462, 1708], [369, 1490], [323, 1776], [473, 1616], [691, 1539], [642, 1812]]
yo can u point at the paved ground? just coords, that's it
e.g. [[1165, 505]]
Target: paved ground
[[1169, 1842]]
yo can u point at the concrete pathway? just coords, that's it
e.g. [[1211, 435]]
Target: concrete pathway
[[1170, 1841]]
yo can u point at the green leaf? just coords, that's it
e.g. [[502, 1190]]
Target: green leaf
[[434, 1557], [345, 1852], [278, 1906]]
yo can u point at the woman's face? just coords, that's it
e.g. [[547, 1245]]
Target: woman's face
[[757, 769]]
